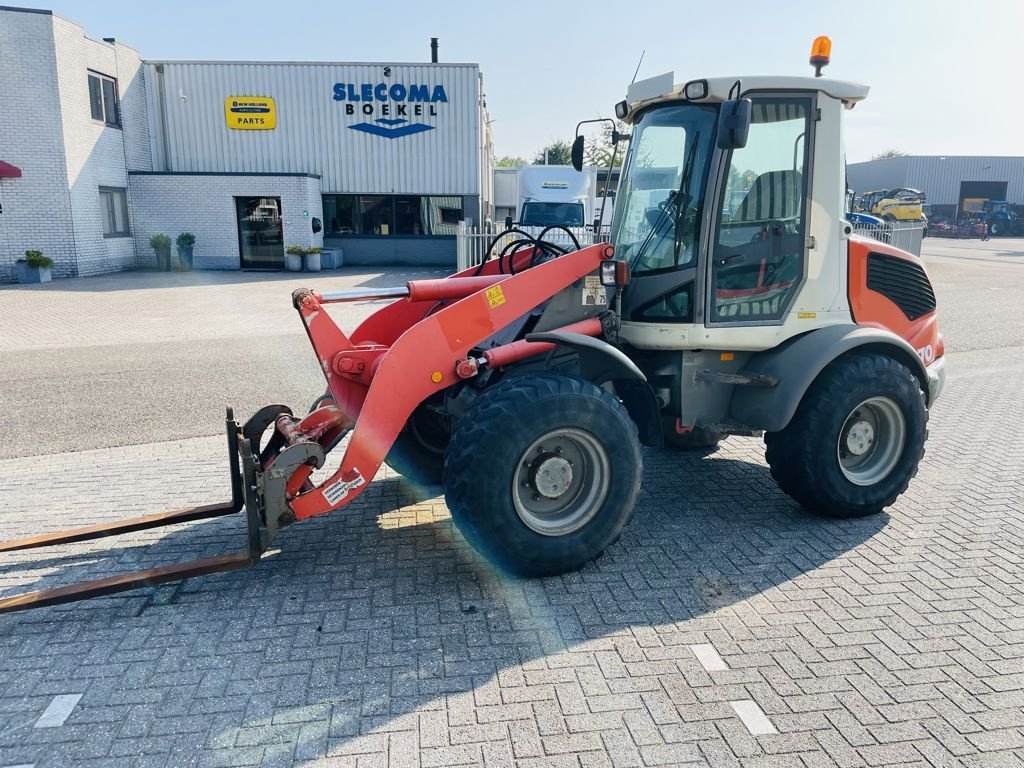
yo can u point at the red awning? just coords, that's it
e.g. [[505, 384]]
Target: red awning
[[8, 171]]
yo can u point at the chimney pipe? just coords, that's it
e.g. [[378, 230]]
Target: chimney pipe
[[433, 50]]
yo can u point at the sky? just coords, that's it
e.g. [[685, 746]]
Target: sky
[[944, 80]]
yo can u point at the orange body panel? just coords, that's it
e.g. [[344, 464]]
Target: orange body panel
[[873, 309], [420, 361]]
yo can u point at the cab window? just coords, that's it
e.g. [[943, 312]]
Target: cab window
[[758, 256]]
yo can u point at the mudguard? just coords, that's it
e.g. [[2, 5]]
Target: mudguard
[[601, 362], [797, 363]]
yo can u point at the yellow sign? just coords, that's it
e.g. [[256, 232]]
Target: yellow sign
[[250, 113], [495, 297]]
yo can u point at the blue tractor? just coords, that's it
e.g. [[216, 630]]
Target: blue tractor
[[1001, 218]]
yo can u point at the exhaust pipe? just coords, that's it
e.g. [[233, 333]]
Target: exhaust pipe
[[433, 50]]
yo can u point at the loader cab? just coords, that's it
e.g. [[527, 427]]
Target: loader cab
[[720, 239]]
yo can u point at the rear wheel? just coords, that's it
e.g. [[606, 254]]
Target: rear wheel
[[542, 473], [856, 439]]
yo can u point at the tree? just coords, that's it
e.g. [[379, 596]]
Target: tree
[[889, 154], [599, 151], [508, 161], [557, 153]]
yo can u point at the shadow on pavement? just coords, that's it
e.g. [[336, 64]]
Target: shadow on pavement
[[366, 616]]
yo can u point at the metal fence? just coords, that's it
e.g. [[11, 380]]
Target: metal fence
[[472, 246], [906, 235]]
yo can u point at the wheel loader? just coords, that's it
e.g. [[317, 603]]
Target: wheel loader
[[732, 299]]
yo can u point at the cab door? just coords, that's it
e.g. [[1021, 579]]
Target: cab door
[[758, 253]]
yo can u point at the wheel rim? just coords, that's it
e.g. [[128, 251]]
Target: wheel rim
[[871, 441], [561, 481]]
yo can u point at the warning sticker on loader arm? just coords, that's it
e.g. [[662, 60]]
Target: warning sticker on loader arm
[[339, 490], [495, 297], [593, 292]]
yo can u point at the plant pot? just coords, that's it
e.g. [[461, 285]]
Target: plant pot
[[27, 274], [327, 259], [293, 262], [312, 262], [163, 258], [185, 257]]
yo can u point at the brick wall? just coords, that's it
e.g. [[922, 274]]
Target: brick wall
[[65, 155], [36, 209], [97, 155], [203, 204]]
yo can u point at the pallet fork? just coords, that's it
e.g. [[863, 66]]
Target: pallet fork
[[247, 481]]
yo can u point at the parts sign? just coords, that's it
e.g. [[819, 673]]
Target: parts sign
[[250, 113]]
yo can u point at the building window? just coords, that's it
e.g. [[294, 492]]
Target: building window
[[114, 208], [103, 99], [411, 215]]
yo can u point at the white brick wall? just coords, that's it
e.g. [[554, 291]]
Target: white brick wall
[[204, 204], [65, 155], [36, 209]]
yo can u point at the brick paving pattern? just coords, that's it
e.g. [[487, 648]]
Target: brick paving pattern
[[376, 637]]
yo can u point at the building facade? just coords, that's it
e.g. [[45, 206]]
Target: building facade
[[946, 180], [104, 150]]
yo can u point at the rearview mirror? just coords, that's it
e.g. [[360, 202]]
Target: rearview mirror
[[577, 153], [734, 124]]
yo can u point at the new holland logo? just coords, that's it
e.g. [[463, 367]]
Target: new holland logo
[[395, 103]]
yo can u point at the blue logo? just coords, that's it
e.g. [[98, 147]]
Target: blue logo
[[387, 99]]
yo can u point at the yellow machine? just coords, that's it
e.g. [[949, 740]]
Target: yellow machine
[[901, 204]]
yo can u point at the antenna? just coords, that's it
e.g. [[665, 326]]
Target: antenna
[[635, 73]]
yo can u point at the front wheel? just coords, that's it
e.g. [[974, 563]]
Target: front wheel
[[997, 228], [542, 473], [856, 439]]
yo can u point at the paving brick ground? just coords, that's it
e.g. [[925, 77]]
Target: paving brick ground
[[376, 637]]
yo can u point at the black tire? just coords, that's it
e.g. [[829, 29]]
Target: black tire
[[804, 458], [889, 218], [485, 469], [418, 451], [696, 439], [997, 228]]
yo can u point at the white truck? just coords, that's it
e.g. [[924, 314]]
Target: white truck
[[537, 196]]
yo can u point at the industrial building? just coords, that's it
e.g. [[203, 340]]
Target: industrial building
[[101, 149], [946, 180]]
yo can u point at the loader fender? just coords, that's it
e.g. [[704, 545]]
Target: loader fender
[[796, 364], [601, 362]]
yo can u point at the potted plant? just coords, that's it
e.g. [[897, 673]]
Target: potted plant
[[312, 258], [162, 245], [34, 268], [293, 258], [185, 241]]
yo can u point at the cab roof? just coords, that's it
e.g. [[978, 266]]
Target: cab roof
[[663, 88]]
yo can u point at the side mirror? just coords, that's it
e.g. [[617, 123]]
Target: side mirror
[[508, 222], [577, 153], [734, 124]]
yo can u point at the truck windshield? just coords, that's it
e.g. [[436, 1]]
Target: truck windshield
[[546, 214], [661, 196]]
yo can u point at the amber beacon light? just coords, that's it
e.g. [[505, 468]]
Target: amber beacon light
[[821, 52]]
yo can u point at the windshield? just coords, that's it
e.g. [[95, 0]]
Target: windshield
[[546, 214], [661, 196]]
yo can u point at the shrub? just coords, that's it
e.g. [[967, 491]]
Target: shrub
[[295, 249], [36, 260], [159, 242], [185, 240]]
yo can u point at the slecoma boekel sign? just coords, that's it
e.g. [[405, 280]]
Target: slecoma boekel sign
[[390, 105]]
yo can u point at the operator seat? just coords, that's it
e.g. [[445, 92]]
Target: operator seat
[[773, 195]]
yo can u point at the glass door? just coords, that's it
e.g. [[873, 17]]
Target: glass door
[[759, 251], [260, 232]]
